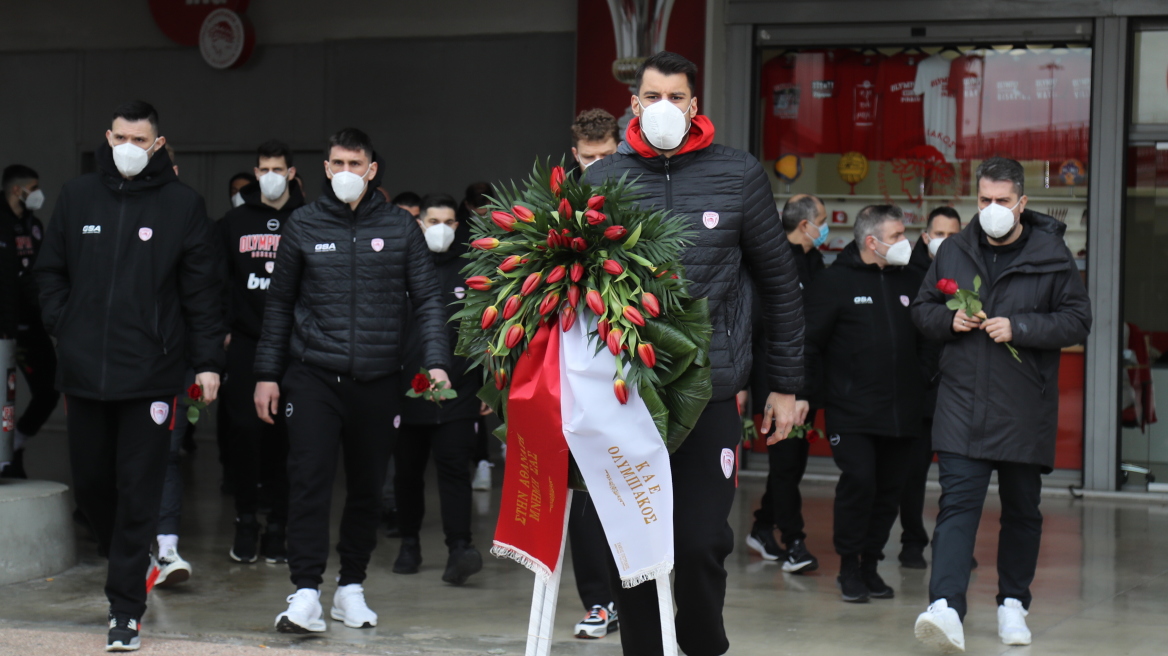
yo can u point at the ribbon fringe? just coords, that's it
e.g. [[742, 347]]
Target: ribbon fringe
[[501, 550], [658, 571]]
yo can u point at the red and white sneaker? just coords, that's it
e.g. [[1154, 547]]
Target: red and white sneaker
[[599, 622], [166, 570]]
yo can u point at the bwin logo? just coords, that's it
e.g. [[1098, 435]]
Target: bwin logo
[[91, 230], [862, 300], [255, 282], [326, 248]]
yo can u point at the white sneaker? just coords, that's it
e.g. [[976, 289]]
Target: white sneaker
[[349, 607], [599, 622], [303, 614], [167, 570], [940, 628], [482, 477], [1012, 627]]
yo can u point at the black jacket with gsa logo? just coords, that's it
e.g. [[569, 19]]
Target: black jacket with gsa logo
[[338, 293], [250, 235], [860, 327], [130, 285]]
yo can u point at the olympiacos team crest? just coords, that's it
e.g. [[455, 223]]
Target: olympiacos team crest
[[377, 244], [710, 219]]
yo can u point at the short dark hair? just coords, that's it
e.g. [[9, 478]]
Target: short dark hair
[[274, 148], [1002, 169], [669, 63], [594, 125], [350, 139], [137, 110], [435, 200], [945, 211], [476, 194], [242, 175], [872, 217], [799, 210], [410, 199], [17, 172]]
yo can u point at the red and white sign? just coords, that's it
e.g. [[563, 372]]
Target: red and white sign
[[182, 20], [226, 39]]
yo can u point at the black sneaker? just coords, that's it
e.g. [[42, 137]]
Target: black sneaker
[[463, 561], [851, 584], [877, 588], [14, 469], [123, 633], [273, 544], [247, 534], [409, 558], [762, 541], [799, 560], [913, 557]]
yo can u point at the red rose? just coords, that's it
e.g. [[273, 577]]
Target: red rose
[[195, 392], [947, 286], [420, 383]]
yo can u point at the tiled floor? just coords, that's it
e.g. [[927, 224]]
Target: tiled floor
[[1102, 588]]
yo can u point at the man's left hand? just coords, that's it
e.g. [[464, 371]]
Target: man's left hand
[[780, 410], [998, 329], [440, 376], [209, 381]]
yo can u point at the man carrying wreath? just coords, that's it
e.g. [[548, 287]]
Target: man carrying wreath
[[737, 237], [995, 409]]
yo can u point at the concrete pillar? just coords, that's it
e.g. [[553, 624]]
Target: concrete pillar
[[37, 536]]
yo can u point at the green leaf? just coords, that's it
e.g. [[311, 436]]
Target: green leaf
[[657, 409], [634, 238], [977, 283], [670, 341], [640, 260], [953, 304], [193, 415], [686, 398], [974, 308]]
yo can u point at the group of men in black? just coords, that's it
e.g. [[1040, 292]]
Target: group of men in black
[[333, 304]]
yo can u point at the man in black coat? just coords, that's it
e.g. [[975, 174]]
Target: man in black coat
[[995, 411], [329, 358], [250, 238], [860, 326], [726, 197], [130, 286]]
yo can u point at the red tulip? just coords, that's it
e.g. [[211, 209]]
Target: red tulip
[[649, 302], [603, 327], [485, 244], [531, 283], [557, 179], [567, 318], [596, 203], [614, 340], [510, 263], [489, 316], [553, 240], [550, 301], [523, 214], [579, 244], [576, 272], [615, 232], [595, 218], [648, 354], [573, 295], [674, 276], [511, 307], [613, 267], [595, 303], [633, 315], [514, 336], [503, 220], [481, 283], [947, 286], [195, 392], [621, 389], [663, 272], [565, 210], [500, 378], [557, 274]]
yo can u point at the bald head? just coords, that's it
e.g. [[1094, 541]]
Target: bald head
[[800, 208]]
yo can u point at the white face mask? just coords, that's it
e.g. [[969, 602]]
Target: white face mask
[[898, 254], [439, 237], [349, 186], [34, 200], [236, 199], [935, 245], [997, 221], [663, 124], [583, 166], [131, 159], [273, 185]]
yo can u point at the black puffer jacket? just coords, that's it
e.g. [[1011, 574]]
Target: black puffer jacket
[[28, 233], [742, 237], [130, 283], [859, 322], [990, 406], [339, 290]]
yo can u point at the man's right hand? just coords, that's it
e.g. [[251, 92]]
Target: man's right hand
[[267, 401], [963, 323]]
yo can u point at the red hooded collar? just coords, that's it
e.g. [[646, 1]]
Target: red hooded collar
[[701, 135]]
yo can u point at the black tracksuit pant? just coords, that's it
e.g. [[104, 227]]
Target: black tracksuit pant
[[867, 496], [590, 553], [327, 413], [964, 483], [259, 450], [452, 444], [913, 534], [118, 450], [782, 504], [37, 359], [702, 496]]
